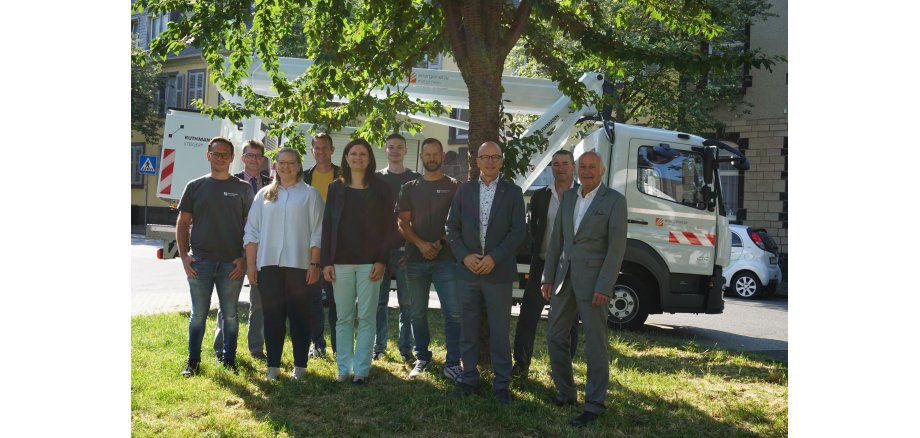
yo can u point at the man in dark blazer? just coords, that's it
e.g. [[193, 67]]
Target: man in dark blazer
[[320, 176], [485, 225], [544, 204], [583, 261], [253, 157]]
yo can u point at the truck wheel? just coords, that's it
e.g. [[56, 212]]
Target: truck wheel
[[628, 309], [745, 284]]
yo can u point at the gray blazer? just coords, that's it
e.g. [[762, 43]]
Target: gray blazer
[[594, 254], [505, 232]]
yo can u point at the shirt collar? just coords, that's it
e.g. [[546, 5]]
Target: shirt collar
[[552, 188], [590, 194], [249, 177], [483, 183]]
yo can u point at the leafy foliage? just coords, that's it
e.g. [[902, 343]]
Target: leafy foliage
[[144, 85], [359, 47]]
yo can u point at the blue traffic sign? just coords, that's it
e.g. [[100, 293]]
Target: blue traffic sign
[[147, 165]]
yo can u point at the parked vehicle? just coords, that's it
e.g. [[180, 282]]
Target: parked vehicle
[[754, 268]]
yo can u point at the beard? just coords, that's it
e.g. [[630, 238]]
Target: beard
[[432, 166]]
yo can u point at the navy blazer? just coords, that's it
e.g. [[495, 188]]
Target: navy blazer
[[539, 208], [383, 217], [506, 229], [266, 180]]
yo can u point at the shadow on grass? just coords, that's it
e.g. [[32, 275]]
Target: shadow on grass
[[391, 404]]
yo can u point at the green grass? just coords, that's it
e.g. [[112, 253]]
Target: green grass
[[659, 386]]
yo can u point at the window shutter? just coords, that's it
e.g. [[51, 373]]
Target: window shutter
[[180, 91]]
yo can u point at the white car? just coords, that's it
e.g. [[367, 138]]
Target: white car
[[754, 268]]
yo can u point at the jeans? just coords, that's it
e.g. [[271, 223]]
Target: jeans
[[213, 273], [286, 297], [352, 283], [256, 336], [404, 343], [317, 317], [531, 308], [419, 276]]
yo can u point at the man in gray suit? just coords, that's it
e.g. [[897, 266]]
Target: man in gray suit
[[485, 225], [582, 264]]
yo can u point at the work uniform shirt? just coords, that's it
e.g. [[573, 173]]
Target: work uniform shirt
[[428, 202], [219, 208]]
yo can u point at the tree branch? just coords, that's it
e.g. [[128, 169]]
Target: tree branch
[[517, 28]]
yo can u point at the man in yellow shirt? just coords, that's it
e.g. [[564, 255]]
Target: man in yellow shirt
[[320, 176]]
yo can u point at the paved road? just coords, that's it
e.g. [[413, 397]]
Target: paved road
[[752, 326]]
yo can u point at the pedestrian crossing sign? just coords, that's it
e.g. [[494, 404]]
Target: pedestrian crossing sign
[[147, 165]]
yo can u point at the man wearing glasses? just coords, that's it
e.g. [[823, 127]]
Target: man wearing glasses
[[217, 205], [253, 156], [485, 225]]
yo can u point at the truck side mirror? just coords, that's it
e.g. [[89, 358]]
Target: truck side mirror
[[709, 161]]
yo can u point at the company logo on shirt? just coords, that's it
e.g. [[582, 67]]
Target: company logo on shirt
[[440, 191], [230, 194]]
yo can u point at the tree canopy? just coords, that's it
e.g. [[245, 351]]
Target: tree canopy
[[358, 46], [144, 84]]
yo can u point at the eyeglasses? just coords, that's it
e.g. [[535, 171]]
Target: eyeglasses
[[252, 156], [490, 157], [287, 163], [221, 155]]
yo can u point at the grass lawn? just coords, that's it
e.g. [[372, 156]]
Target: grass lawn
[[659, 386]]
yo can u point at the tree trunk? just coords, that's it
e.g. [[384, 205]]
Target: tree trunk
[[480, 43]]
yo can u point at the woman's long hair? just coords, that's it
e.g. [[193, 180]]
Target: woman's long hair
[[271, 195], [369, 173]]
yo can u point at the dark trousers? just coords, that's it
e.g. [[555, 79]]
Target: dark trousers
[[531, 309], [285, 296], [316, 322], [497, 297]]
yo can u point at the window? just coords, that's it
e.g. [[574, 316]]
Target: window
[[196, 85], [457, 135], [737, 42], [433, 63], [137, 179], [730, 180], [736, 240], [171, 92], [156, 25], [134, 30], [678, 179]]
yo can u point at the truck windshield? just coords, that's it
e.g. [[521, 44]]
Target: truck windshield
[[678, 179]]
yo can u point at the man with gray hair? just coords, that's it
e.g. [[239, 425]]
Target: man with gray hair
[[582, 263]]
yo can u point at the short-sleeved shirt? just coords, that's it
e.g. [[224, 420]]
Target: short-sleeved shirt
[[395, 181], [219, 209], [429, 203]]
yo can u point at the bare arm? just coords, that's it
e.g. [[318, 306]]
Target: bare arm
[[429, 250], [182, 238]]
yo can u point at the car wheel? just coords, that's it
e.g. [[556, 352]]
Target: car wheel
[[745, 284], [628, 308]]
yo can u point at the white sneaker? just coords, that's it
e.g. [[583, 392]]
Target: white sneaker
[[454, 373], [299, 373], [419, 368], [273, 373]]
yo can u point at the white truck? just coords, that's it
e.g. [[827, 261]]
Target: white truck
[[678, 239]]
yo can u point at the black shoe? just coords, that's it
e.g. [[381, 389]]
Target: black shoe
[[259, 355], [377, 355], [230, 365], [219, 356], [317, 353], [359, 381], [503, 396], [463, 390], [408, 357], [192, 368], [561, 403], [519, 371], [584, 419]]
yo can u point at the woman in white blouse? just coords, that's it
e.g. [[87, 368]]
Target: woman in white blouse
[[282, 241]]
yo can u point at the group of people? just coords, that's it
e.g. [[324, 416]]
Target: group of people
[[344, 230]]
